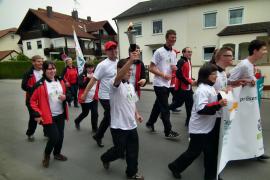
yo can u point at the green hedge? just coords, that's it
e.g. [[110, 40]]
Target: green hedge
[[15, 70]]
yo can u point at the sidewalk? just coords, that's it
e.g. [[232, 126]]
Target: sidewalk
[[149, 87]]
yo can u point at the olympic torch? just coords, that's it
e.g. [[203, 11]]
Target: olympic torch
[[131, 33]]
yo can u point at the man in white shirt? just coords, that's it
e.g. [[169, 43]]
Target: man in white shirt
[[29, 80], [244, 72], [162, 64], [104, 72]]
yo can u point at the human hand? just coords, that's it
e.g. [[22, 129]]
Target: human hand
[[39, 120], [142, 82], [223, 102], [62, 97]]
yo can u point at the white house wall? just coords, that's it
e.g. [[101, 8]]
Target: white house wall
[[9, 43], [188, 24], [46, 42]]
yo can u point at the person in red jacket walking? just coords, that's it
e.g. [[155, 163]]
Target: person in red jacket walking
[[137, 77], [70, 75], [91, 101], [29, 80], [48, 107], [183, 87]]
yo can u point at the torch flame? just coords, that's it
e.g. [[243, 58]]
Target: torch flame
[[130, 26]]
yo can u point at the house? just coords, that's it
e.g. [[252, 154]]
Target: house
[[50, 34], [7, 55], [202, 25], [9, 47]]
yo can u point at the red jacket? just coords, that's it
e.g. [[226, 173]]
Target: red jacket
[[39, 102], [28, 81], [71, 75], [83, 81], [183, 69]]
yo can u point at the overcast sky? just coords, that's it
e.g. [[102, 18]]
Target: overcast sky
[[12, 12]]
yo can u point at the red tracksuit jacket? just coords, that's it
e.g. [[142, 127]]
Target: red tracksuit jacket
[[39, 102]]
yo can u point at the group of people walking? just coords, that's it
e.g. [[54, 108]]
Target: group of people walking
[[116, 85]]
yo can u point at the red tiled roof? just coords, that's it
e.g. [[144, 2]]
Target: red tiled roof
[[4, 54], [6, 31], [95, 26], [63, 24]]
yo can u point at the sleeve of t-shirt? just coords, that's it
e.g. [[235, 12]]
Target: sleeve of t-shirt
[[236, 73], [99, 72], [174, 60], [201, 101], [156, 58]]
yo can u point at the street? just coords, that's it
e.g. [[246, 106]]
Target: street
[[21, 160]]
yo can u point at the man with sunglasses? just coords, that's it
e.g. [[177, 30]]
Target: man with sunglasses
[[104, 72], [184, 83]]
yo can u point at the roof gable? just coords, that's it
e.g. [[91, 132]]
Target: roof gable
[[6, 31], [63, 24]]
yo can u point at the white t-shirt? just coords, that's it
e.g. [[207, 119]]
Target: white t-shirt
[[202, 124], [163, 59], [54, 89], [104, 72], [220, 84], [243, 70], [221, 81], [91, 94], [132, 78], [123, 106], [38, 74]]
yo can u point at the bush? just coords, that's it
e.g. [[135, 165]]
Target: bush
[[15, 70], [22, 57]]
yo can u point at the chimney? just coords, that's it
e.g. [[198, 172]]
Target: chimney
[[49, 11], [75, 14], [89, 18]]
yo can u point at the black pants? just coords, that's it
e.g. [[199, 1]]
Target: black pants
[[73, 90], [172, 91], [124, 141], [215, 132], [86, 107], [199, 143], [161, 106], [55, 133], [32, 124], [105, 123], [182, 97]]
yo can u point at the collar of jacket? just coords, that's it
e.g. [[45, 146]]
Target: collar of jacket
[[220, 69], [184, 58], [167, 48], [125, 81], [49, 80]]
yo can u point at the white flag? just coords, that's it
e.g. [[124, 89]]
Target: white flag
[[79, 54]]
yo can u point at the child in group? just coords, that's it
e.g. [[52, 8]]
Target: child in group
[[91, 101], [203, 117], [123, 120]]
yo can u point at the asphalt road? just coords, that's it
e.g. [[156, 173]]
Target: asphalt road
[[21, 160]]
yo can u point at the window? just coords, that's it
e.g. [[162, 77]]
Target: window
[[210, 19], [138, 28], [39, 45], [28, 45], [208, 52], [157, 27], [236, 16]]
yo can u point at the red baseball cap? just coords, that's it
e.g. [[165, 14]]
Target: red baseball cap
[[108, 45]]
